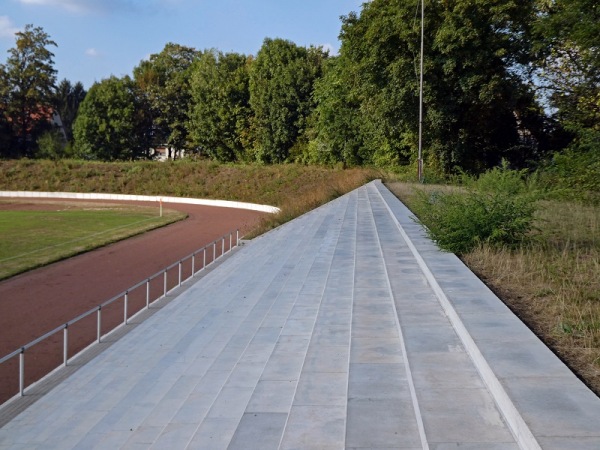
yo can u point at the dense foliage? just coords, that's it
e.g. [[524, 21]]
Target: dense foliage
[[163, 82], [478, 106], [112, 123], [569, 63], [503, 80], [497, 209], [281, 85], [220, 111]]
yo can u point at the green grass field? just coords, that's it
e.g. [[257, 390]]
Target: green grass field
[[31, 239]]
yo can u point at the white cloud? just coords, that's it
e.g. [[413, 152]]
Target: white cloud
[[7, 28], [69, 5], [92, 52], [90, 6]]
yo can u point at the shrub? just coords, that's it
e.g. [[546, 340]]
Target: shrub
[[497, 208], [574, 172], [51, 145]]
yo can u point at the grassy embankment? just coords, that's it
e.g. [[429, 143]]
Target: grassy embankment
[[293, 188], [551, 281]]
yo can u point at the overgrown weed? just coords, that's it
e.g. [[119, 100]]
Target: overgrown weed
[[496, 208]]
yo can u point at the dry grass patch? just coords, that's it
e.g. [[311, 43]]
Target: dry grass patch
[[314, 191]]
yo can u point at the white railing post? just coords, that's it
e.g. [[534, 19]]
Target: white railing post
[[165, 283], [22, 372], [99, 336], [237, 238], [66, 344], [214, 251], [148, 293], [193, 264], [125, 304], [203, 257], [223, 246], [230, 240], [179, 284]]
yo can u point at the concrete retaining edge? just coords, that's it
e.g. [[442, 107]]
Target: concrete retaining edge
[[523, 435]]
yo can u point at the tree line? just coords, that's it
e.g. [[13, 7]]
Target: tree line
[[503, 80]]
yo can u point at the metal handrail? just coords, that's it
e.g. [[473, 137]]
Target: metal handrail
[[123, 295]]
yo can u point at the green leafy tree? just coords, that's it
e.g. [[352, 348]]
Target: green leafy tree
[[26, 87], [220, 108], [336, 121], [569, 66], [482, 49], [52, 145], [281, 84], [112, 123], [164, 80], [478, 108]]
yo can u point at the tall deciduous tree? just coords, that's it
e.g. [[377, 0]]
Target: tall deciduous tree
[[336, 133], [112, 123], [220, 108], [281, 85], [482, 50], [164, 80], [26, 86], [477, 105]]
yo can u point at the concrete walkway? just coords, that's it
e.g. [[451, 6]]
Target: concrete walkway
[[345, 328]]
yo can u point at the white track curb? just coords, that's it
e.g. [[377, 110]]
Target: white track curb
[[141, 198]]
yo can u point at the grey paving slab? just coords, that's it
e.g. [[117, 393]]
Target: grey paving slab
[[259, 431], [315, 427], [212, 434], [381, 423], [344, 328], [274, 396]]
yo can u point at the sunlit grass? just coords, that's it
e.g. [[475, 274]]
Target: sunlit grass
[[32, 239]]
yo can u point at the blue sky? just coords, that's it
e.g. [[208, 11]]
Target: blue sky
[[99, 38]]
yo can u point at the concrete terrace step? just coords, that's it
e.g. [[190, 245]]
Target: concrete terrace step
[[345, 328]]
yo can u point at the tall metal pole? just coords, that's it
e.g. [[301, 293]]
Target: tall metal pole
[[420, 158]]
